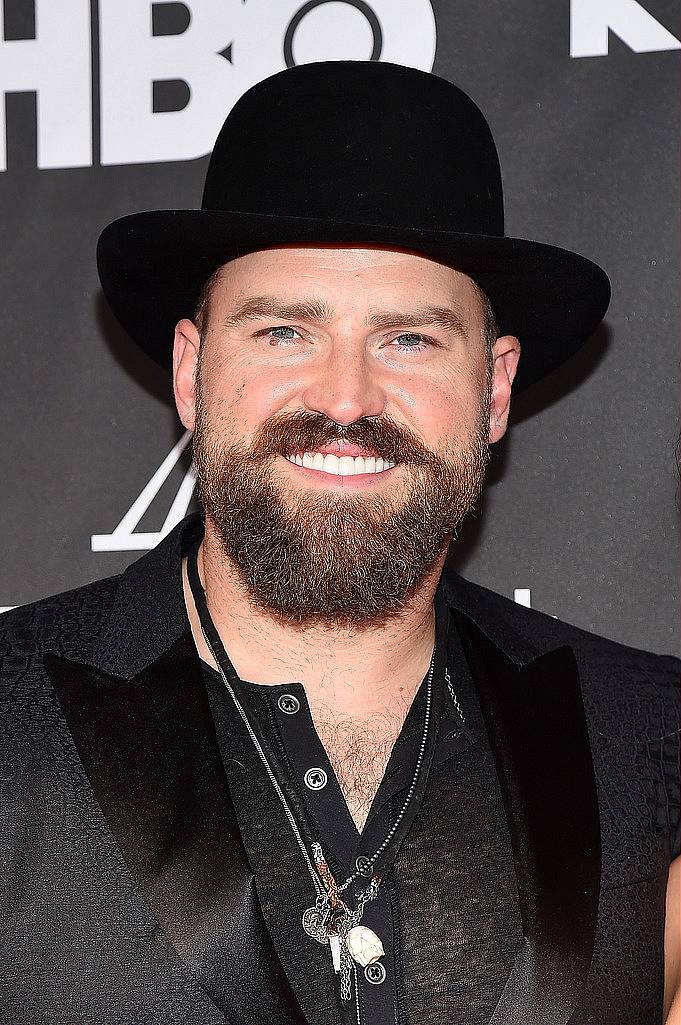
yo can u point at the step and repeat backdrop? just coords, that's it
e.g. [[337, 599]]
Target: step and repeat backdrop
[[111, 106]]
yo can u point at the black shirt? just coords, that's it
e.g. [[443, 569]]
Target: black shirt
[[446, 910]]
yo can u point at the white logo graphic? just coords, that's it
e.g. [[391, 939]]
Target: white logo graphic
[[591, 20], [56, 65], [124, 538], [225, 48]]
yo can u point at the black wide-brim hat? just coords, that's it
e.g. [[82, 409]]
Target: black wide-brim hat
[[353, 152]]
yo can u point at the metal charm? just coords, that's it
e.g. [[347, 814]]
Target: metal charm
[[314, 924]]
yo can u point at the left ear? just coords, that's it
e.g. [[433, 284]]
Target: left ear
[[505, 356]]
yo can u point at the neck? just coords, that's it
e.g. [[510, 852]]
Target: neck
[[352, 670]]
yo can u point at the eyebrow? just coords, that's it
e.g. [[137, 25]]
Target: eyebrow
[[260, 306], [450, 318], [317, 311]]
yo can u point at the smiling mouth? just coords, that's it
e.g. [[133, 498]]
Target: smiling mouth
[[340, 466]]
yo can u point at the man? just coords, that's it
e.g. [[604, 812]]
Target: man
[[287, 767]]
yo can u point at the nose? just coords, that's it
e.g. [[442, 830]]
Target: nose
[[345, 387]]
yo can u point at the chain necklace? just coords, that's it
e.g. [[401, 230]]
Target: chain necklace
[[331, 920]]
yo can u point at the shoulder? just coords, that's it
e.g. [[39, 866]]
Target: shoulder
[[627, 689], [544, 632], [66, 624]]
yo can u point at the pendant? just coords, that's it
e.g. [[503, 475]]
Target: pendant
[[364, 945], [335, 944], [325, 925], [314, 924]]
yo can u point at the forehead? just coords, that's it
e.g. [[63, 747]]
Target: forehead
[[361, 273]]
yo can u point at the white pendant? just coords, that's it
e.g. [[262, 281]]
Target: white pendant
[[334, 943], [364, 945]]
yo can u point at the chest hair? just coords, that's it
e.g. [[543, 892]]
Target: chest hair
[[359, 751]]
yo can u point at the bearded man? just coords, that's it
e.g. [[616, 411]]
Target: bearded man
[[288, 768]]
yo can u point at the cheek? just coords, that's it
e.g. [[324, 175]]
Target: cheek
[[241, 395], [443, 408]]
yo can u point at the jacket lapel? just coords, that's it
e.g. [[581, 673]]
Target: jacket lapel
[[282, 878], [537, 730], [148, 748]]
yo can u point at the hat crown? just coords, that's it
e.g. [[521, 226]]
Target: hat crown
[[359, 142]]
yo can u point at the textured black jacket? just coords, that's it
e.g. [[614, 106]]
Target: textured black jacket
[[134, 876]]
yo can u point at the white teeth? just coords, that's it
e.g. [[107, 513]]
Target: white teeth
[[341, 466]]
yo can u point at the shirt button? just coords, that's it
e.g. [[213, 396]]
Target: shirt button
[[375, 973], [363, 866], [315, 779], [288, 703]]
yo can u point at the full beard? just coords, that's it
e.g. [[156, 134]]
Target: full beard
[[335, 559]]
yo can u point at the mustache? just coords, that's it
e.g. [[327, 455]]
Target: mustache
[[304, 431]]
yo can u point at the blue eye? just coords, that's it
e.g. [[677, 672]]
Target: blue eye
[[281, 333], [411, 340]]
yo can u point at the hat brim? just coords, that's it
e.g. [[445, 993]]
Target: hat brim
[[153, 265]]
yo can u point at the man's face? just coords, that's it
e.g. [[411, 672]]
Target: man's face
[[342, 402]]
